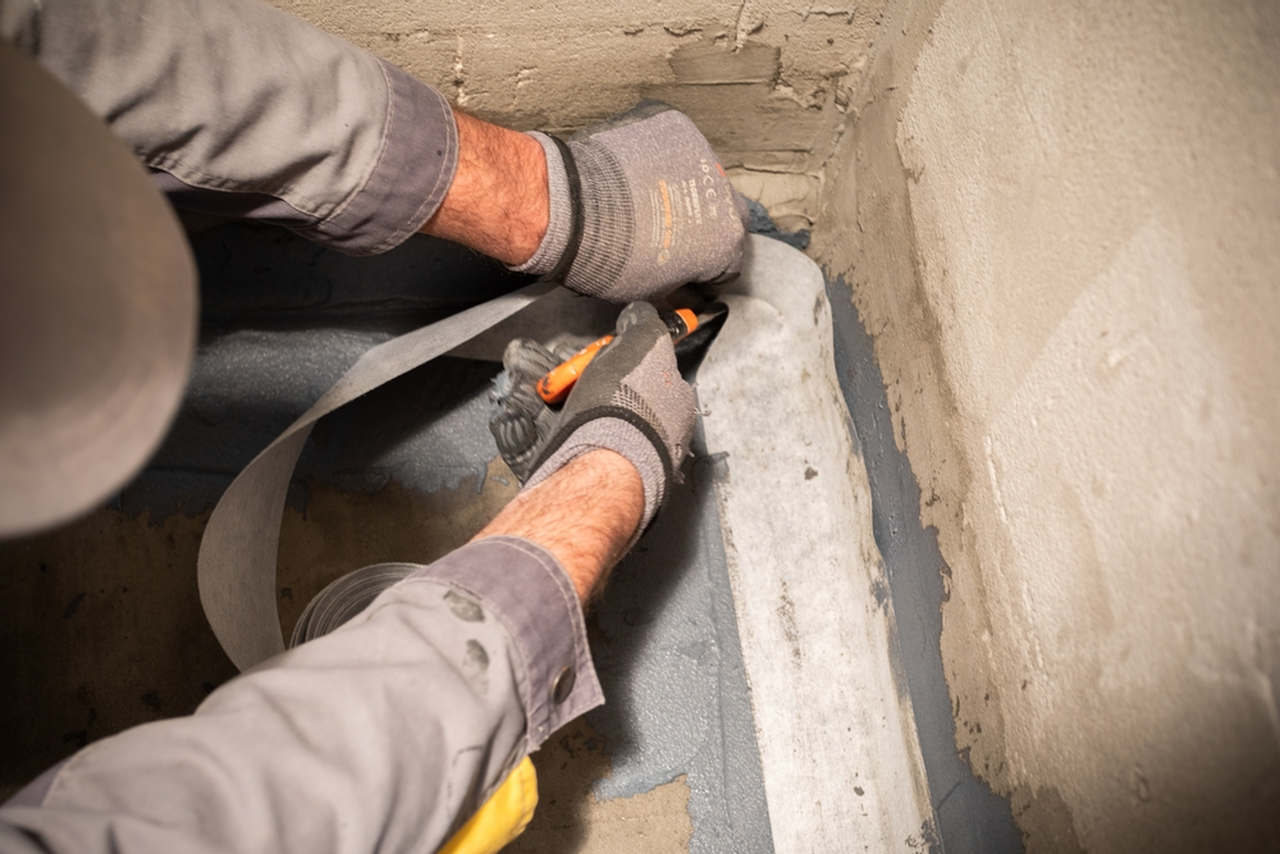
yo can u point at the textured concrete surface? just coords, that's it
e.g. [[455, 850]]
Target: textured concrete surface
[[101, 629], [764, 79], [1061, 223]]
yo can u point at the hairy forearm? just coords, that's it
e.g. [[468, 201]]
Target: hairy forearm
[[497, 203], [584, 514]]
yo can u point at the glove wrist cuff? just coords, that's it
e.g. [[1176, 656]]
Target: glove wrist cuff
[[621, 437], [560, 224]]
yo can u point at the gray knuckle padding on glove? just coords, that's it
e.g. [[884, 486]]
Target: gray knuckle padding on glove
[[637, 206], [631, 399]]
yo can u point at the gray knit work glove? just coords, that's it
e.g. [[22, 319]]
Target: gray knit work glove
[[631, 399], [638, 206]]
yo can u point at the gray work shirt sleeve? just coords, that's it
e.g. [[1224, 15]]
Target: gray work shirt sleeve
[[384, 735], [243, 110]]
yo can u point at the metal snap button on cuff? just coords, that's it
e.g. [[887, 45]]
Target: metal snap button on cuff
[[563, 686]]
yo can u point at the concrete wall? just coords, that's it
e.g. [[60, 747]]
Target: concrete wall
[[1061, 222], [764, 79]]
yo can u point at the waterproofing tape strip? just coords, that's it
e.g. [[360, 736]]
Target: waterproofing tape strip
[[236, 567]]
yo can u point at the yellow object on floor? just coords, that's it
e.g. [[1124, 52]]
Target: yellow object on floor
[[501, 818]]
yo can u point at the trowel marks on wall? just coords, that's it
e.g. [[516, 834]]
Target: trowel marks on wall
[[766, 80]]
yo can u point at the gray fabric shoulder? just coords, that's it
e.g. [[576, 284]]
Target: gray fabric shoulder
[[240, 98]]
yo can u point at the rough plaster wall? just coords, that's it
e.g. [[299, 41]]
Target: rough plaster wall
[[762, 78], [1062, 224]]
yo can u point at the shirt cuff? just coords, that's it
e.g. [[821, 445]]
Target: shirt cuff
[[526, 589], [414, 171]]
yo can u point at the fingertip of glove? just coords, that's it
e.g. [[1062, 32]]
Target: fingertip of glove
[[511, 351], [525, 357]]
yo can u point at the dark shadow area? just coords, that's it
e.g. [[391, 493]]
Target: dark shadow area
[[255, 275], [281, 320], [363, 444]]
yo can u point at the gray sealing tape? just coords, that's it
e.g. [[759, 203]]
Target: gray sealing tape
[[236, 568]]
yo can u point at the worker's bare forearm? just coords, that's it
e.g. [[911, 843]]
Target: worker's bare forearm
[[584, 514], [497, 203]]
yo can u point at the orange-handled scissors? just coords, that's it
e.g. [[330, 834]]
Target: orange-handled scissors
[[555, 386]]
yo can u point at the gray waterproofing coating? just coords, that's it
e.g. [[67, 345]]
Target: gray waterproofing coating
[[970, 817], [666, 645]]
